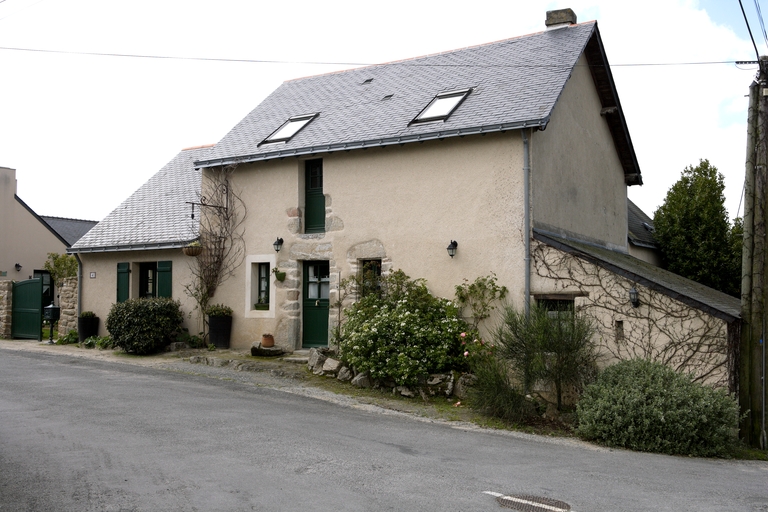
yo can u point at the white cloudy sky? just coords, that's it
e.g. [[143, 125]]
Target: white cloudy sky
[[83, 131]]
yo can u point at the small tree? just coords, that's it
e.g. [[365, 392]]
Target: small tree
[[695, 237], [60, 266], [553, 347]]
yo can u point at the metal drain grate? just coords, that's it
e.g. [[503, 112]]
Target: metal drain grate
[[526, 503]]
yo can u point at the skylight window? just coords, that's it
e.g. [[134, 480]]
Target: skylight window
[[442, 106], [290, 128]]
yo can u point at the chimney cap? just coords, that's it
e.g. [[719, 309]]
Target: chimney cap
[[560, 17]]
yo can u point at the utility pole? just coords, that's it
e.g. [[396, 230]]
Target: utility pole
[[754, 293]]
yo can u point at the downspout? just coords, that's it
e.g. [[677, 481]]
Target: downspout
[[527, 219]]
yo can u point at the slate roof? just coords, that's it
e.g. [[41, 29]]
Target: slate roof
[[709, 300], [640, 227], [515, 84], [71, 230], [156, 216]]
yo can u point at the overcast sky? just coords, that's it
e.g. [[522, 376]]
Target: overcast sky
[[85, 131]]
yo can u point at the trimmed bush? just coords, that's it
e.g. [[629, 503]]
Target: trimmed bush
[[144, 326], [646, 406], [403, 333]]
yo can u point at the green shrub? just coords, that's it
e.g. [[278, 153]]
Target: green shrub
[[68, 339], [144, 326], [403, 333], [99, 342], [192, 340], [551, 347], [493, 393], [218, 310], [87, 314], [646, 406]]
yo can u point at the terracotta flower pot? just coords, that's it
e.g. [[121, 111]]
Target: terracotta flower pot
[[267, 341]]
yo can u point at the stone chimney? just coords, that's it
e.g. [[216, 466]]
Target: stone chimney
[[560, 18]]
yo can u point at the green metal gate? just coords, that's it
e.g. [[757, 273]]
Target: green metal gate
[[27, 310]]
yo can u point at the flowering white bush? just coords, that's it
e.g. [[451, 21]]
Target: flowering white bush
[[404, 333]]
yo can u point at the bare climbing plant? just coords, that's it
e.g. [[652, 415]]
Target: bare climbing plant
[[663, 329], [221, 229]]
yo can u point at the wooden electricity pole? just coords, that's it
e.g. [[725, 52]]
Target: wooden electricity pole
[[754, 294]]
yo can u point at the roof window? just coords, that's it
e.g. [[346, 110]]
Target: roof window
[[442, 106], [290, 128]]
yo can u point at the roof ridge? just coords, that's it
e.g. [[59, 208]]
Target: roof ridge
[[445, 52], [66, 218]]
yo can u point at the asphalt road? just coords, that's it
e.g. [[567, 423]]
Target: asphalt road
[[87, 435]]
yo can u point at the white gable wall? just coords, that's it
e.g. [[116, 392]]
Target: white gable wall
[[577, 181]]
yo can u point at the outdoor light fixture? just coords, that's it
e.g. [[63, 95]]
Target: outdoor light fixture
[[278, 244], [18, 267], [634, 297], [452, 248]]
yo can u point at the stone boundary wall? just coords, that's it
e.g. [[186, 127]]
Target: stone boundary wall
[[6, 304], [68, 304]]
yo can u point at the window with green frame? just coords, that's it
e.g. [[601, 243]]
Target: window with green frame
[[261, 275], [155, 280], [314, 199]]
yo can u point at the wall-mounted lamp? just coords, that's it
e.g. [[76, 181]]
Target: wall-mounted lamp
[[452, 248], [18, 267], [634, 297], [278, 244]]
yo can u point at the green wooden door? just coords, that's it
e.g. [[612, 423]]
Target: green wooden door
[[27, 310], [316, 304]]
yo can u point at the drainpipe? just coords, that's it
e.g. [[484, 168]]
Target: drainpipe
[[527, 219]]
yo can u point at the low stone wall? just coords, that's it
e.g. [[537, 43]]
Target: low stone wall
[[6, 305], [323, 362], [68, 305]]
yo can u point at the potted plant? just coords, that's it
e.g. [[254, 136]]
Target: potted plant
[[280, 276], [219, 325], [193, 248], [87, 325], [267, 340]]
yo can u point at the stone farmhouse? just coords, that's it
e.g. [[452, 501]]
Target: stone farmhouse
[[512, 157]]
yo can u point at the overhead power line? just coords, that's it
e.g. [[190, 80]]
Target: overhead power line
[[321, 63]]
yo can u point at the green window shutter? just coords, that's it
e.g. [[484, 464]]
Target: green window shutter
[[123, 281], [164, 282], [314, 199]]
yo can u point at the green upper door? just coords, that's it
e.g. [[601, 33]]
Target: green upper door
[[316, 303]]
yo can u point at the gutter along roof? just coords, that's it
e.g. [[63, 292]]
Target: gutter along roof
[[514, 83]]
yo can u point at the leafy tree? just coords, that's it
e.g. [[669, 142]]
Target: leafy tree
[[695, 237], [60, 266]]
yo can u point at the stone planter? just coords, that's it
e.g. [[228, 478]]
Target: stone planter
[[87, 327], [220, 330]]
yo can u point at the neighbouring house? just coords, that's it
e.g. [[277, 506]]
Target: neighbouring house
[[135, 251], [487, 148], [28, 237], [642, 244]]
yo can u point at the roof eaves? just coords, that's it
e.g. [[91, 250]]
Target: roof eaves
[[129, 247], [562, 245], [617, 123], [379, 142]]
